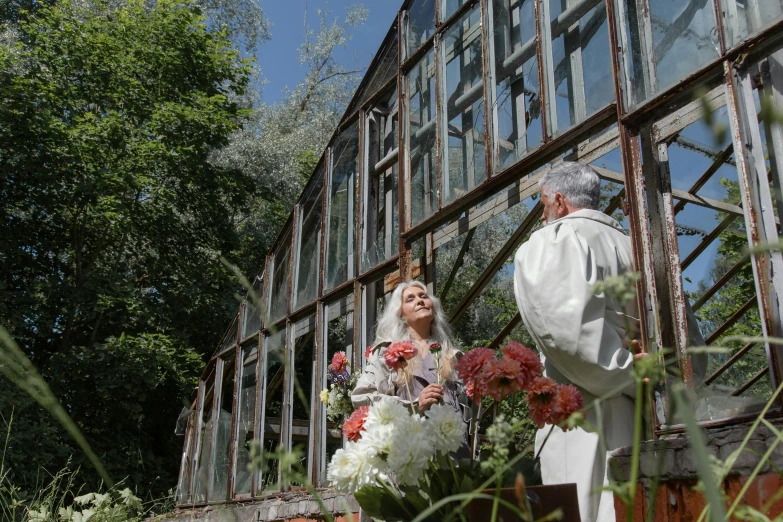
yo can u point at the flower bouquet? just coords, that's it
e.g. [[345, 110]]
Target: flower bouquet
[[398, 463], [337, 394]]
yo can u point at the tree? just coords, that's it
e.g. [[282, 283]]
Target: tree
[[112, 219]]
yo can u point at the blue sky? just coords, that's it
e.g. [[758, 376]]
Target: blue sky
[[278, 58]]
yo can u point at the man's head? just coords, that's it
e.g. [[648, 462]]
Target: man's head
[[568, 187]]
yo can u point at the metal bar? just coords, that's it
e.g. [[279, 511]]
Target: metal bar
[[731, 272], [441, 136], [710, 152], [753, 380], [615, 202], [708, 239], [198, 440], [232, 449], [716, 164], [547, 68], [498, 261], [731, 320], [543, 94], [403, 183], [456, 15], [728, 364], [718, 10], [319, 420], [772, 81], [487, 83], [499, 338], [457, 264], [673, 122], [387, 161], [572, 61], [429, 264]]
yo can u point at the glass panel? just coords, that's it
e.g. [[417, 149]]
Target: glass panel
[[304, 362], [421, 139], [684, 38], [309, 254], [339, 337], [186, 463], [273, 379], [375, 303], [581, 61], [517, 103], [464, 156], [449, 7], [204, 447], [743, 18], [230, 338], [252, 322], [717, 277], [218, 486], [246, 418], [381, 235], [278, 299], [420, 24], [342, 194], [382, 72]]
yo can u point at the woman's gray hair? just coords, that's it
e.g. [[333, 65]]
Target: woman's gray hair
[[392, 327], [579, 183]]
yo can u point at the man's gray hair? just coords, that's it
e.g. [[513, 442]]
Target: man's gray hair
[[579, 183]]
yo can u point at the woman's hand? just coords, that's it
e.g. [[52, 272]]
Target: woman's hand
[[430, 395]]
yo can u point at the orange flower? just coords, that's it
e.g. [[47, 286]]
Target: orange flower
[[470, 366], [539, 398], [367, 352], [398, 353], [339, 362], [353, 427], [567, 401], [499, 378], [530, 365]]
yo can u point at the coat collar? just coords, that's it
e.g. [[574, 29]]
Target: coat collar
[[593, 215]]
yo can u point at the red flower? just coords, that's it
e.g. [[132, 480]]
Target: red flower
[[353, 427], [539, 398], [339, 362], [470, 366], [469, 389], [529, 362], [567, 401], [435, 348], [398, 353], [499, 378], [367, 352]]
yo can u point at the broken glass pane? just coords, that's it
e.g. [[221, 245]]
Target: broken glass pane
[[278, 300], [342, 194], [308, 257], [421, 139], [218, 486], [420, 24], [246, 418]]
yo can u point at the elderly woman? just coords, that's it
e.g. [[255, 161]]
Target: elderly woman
[[412, 315]]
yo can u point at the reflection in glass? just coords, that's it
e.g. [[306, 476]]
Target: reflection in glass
[[380, 235], [304, 352], [204, 447], [420, 24], [684, 38], [273, 381], [218, 486], [464, 162], [517, 104], [449, 7], [246, 419], [252, 322], [279, 297], [717, 276], [342, 194], [308, 256], [745, 17], [421, 139]]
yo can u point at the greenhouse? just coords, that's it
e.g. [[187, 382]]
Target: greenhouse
[[433, 175]]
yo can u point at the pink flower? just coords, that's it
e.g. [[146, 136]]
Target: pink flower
[[339, 362], [539, 398], [353, 427], [398, 353], [469, 389], [367, 352], [529, 362], [499, 378], [435, 348], [470, 366], [567, 401]]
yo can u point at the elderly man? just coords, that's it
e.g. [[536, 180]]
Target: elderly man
[[584, 338]]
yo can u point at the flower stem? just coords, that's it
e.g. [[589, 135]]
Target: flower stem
[[538, 454], [408, 389]]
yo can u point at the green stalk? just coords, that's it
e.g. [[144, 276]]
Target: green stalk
[[637, 445], [496, 500]]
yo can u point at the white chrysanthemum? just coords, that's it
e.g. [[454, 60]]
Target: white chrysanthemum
[[410, 452], [377, 438], [353, 467], [386, 413], [446, 428]]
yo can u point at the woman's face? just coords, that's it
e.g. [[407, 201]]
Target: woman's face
[[416, 305]]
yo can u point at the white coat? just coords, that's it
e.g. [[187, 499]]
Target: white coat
[[583, 339]]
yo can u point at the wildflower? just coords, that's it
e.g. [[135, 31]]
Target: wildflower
[[499, 378], [472, 364], [339, 363], [446, 428], [352, 467], [355, 424], [324, 395], [542, 392], [529, 363], [398, 353], [567, 401]]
